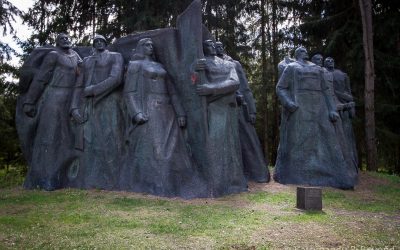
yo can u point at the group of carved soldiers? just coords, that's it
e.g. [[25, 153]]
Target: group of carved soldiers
[[89, 131], [317, 144], [127, 136]]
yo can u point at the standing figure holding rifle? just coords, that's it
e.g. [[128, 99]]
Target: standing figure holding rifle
[[254, 163], [219, 87], [48, 100], [97, 109]]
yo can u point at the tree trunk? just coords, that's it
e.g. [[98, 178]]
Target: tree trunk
[[264, 79], [366, 16], [275, 108]]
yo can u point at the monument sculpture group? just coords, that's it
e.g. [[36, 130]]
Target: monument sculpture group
[[316, 138], [167, 112]]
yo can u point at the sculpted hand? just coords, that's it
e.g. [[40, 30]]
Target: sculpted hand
[[333, 116], [140, 118], [204, 89], [252, 118], [182, 121], [200, 65], [77, 116], [88, 91], [352, 112], [292, 107], [239, 99], [29, 109]]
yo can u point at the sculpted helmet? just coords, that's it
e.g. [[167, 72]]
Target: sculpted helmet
[[97, 36]]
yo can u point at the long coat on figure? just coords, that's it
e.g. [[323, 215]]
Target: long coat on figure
[[309, 151], [51, 91], [157, 160], [101, 135]]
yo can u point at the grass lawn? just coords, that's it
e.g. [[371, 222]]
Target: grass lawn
[[263, 218]]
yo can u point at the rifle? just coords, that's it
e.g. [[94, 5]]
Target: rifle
[[79, 137]]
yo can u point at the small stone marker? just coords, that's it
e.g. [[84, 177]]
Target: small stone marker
[[309, 198]]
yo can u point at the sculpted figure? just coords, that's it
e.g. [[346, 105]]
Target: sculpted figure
[[309, 151], [97, 109], [218, 88], [282, 64], [254, 164], [345, 105], [317, 59], [157, 161], [49, 98]]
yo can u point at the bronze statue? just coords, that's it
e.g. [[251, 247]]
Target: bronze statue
[[254, 163], [48, 100], [97, 109], [157, 161], [218, 87], [309, 150]]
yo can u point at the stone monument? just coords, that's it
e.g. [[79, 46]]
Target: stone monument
[[309, 150], [179, 114], [47, 136], [97, 110], [254, 162], [346, 107]]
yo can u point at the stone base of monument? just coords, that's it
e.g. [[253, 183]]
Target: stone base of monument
[[309, 198]]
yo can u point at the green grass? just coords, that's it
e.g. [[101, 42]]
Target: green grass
[[261, 219], [380, 198], [13, 177], [393, 178], [277, 198]]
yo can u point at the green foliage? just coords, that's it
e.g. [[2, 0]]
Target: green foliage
[[12, 177], [8, 12], [10, 153], [333, 28]]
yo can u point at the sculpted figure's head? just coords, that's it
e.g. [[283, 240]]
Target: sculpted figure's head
[[209, 48], [63, 41], [219, 49], [329, 63], [301, 53], [144, 48], [317, 59], [99, 42]]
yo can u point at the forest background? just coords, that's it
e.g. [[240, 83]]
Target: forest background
[[258, 33]]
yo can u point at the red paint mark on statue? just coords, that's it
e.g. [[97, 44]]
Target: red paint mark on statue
[[194, 78]]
